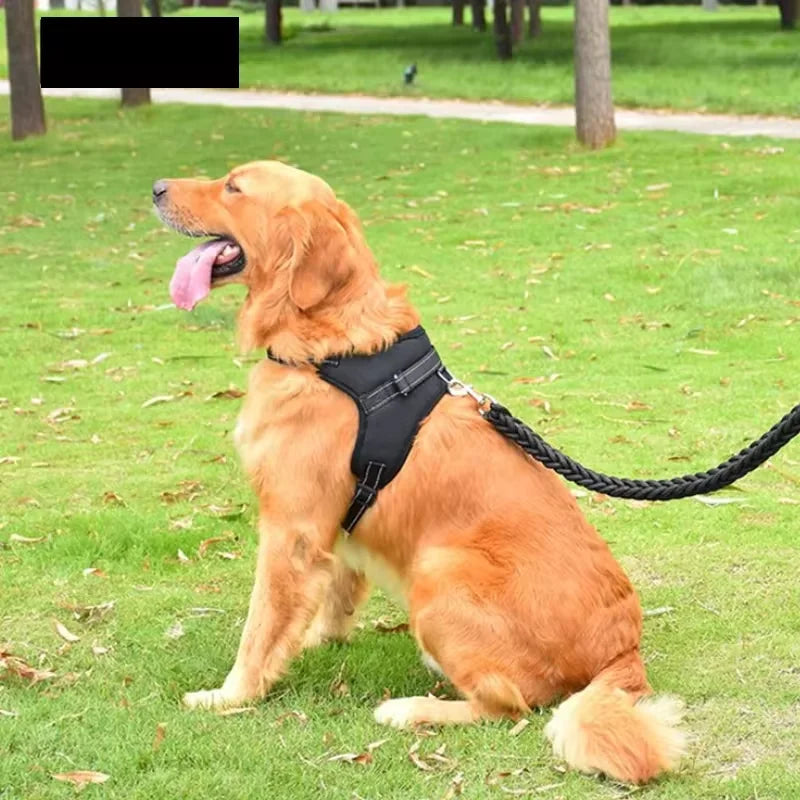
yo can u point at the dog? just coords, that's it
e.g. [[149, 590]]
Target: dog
[[511, 593]]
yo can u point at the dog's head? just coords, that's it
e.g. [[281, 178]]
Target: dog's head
[[278, 230]]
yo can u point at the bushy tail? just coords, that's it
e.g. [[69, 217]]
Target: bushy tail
[[603, 729]]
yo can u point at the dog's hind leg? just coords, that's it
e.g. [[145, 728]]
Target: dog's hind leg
[[337, 612], [492, 696], [292, 572]]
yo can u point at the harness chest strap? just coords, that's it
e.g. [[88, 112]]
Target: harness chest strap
[[394, 390]]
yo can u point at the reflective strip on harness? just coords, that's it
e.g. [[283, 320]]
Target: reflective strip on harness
[[394, 391]]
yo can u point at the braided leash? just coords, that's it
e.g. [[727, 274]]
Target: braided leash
[[754, 455]]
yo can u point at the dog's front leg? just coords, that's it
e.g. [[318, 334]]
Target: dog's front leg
[[293, 570]]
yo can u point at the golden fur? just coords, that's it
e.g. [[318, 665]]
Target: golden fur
[[509, 590]]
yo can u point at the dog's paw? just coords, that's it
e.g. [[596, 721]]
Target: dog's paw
[[401, 712], [216, 699]]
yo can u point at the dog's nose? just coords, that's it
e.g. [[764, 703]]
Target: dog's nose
[[159, 190]]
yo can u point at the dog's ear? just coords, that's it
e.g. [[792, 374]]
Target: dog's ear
[[322, 252]]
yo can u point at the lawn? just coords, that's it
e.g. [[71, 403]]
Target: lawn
[[638, 306], [663, 57]]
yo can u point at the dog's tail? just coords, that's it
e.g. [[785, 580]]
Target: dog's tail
[[604, 728]]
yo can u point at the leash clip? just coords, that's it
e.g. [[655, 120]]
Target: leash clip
[[458, 388]]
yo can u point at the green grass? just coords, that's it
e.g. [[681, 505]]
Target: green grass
[[735, 60], [661, 274]]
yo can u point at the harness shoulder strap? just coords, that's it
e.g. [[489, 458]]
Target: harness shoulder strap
[[394, 390]]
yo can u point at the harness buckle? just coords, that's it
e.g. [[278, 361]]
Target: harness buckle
[[459, 388]]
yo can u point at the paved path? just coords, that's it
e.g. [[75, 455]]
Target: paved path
[[711, 124]]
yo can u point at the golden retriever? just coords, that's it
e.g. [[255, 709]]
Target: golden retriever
[[510, 592]]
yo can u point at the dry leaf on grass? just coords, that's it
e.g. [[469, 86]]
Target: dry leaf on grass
[[419, 271], [5, 713], [81, 777], [175, 631], [231, 393], [99, 650], [205, 611], [98, 573], [230, 511], [372, 746], [188, 490], [161, 732], [65, 633], [698, 351], [58, 415], [9, 459], [657, 612], [717, 501], [353, 758], [159, 398], [15, 537], [519, 727], [414, 758], [17, 666], [113, 497], [456, 787], [90, 614], [206, 543], [183, 558]]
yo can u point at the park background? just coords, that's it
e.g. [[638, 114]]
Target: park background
[[635, 302]]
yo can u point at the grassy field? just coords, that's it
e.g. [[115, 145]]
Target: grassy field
[[663, 57], [638, 306]]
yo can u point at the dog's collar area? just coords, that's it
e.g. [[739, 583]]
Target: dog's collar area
[[394, 391]]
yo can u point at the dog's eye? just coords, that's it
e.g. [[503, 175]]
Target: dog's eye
[[231, 189]]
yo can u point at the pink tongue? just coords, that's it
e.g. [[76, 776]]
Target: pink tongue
[[191, 281]]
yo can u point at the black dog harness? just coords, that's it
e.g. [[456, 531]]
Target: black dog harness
[[394, 390]]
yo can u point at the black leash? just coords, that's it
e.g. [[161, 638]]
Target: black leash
[[736, 467]]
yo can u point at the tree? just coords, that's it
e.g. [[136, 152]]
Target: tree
[[534, 18], [132, 97], [27, 108], [478, 14], [502, 31], [594, 107], [788, 9], [517, 20], [154, 7], [458, 12], [273, 21]]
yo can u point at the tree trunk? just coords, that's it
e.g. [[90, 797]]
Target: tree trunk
[[154, 7], [458, 12], [27, 108], [594, 107], [129, 8], [502, 31], [135, 97], [534, 18], [478, 14], [788, 9], [517, 20], [273, 21], [132, 97]]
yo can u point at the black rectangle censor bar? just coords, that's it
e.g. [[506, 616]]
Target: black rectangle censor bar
[[161, 52]]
